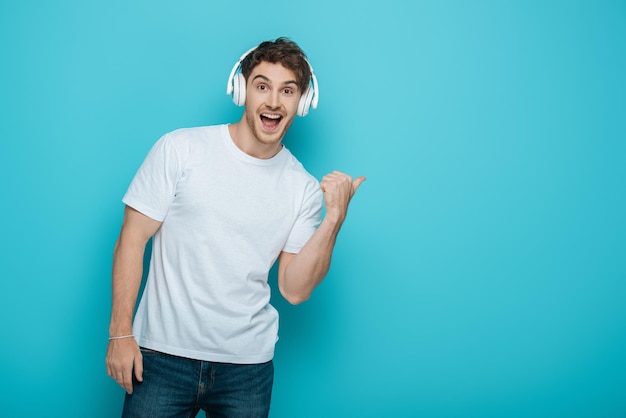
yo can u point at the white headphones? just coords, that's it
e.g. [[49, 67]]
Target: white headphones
[[237, 87]]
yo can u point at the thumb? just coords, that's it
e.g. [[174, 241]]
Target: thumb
[[357, 182], [139, 369]]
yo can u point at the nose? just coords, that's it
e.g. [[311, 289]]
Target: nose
[[273, 99]]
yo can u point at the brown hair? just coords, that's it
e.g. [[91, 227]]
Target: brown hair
[[282, 51]]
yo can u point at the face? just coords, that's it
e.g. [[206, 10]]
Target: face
[[272, 98]]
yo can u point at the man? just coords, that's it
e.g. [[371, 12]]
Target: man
[[222, 204]]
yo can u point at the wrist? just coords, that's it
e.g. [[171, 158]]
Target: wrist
[[334, 218], [116, 330], [121, 337]]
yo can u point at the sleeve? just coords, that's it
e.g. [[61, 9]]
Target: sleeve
[[308, 219], [153, 188]]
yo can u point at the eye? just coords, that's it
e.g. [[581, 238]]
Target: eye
[[288, 91], [261, 87]]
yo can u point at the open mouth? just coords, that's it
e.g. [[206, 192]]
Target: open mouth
[[270, 121]]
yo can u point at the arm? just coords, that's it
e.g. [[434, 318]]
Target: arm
[[299, 274], [123, 354]]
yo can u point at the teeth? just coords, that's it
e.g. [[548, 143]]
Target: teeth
[[271, 116]]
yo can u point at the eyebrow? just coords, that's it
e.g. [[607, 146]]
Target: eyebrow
[[261, 76]]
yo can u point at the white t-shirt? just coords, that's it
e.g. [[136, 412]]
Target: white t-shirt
[[226, 217]]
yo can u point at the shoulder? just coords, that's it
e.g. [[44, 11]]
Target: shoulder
[[194, 135], [302, 179], [298, 170], [188, 141]]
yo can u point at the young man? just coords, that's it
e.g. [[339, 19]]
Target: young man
[[222, 204]]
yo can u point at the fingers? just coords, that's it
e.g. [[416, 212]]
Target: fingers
[[127, 381], [138, 366], [123, 358], [338, 179]]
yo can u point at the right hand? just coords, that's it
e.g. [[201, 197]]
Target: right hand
[[123, 358]]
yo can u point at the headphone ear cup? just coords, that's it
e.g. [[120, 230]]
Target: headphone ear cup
[[239, 89], [305, 102]]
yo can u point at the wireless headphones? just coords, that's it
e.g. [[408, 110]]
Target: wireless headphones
[[237, 87]]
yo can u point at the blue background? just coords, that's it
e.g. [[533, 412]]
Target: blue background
[[481, 272]]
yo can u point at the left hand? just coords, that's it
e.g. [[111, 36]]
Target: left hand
[[338, 189]]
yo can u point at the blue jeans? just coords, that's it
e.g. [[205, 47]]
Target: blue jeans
[[180, 387]]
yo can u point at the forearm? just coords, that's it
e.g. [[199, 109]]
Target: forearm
[[127, 273], [306, 270], [128, 268]]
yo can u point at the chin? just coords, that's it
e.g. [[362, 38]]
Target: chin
[[269, 137], [266, 137]]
